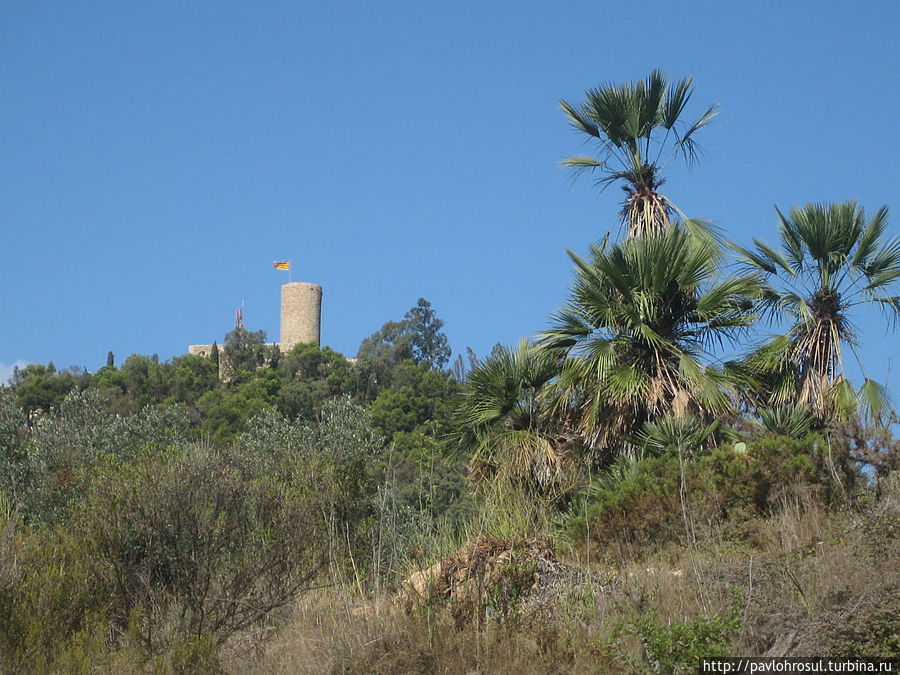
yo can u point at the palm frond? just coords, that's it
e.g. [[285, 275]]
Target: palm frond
[[712, 397], [677, 98], [890, 304], [754, 259], [580, 121], [791, 420], [504, 388], [874, 400], [582, 162], [682, 434], [686, 143], [776, 258], [841, 400], [868, 240], [632, 337], [792, 304], [620, 470], [791, 241], [883, 263], [701, 229]]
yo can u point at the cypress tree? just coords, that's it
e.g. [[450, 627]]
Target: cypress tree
[[214, 356]]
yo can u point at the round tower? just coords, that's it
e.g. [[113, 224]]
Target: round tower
[[301, 313]]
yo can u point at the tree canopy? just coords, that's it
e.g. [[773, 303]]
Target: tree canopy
[[639, 127], [832, 261]]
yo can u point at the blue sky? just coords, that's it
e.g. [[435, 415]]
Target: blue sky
[[156, 157]]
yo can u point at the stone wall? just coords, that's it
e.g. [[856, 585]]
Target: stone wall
[[205, 350], [301, 312]]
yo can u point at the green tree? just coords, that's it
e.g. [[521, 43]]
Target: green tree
[[634, 340], [418, 337], [138, 371], [399, 410], [623, 118], [214, 356], [226, 413], [13, 431], [503, 422], [112, 386], [311, 375], [429, 344], [188, 377], [387, 346], [418, 398], [245, 350], [41, 388], [832, 261]]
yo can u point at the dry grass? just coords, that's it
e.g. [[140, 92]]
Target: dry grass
[[811, 579], [327, 636]]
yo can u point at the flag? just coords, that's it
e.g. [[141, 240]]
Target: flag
[[282, 265]]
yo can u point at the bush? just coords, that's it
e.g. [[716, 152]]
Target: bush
[[639, 504], [198, 542], [163, 549], [344, 449], [49, 594], [53, 467], [675, 647], [12, 436], [876, 635]]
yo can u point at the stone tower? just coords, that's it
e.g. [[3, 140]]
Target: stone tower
[[301, 313]]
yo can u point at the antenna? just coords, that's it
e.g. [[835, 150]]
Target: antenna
[[239, 317]]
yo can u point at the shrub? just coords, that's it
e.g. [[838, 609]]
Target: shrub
[[12, 435], [341, 449], [640, 505], [200, 543], [12, 422], [49, 594], [163, 549], [675, 647], [55, 464], [875, 635]]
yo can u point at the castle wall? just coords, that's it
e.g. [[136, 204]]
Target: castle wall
[[205, 350]]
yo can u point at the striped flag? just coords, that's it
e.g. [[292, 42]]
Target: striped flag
[[282, 265]]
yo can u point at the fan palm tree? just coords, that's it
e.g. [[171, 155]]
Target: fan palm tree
[[832, 261], [635, 339], [503, 422], [639, 128], [787, 420]]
